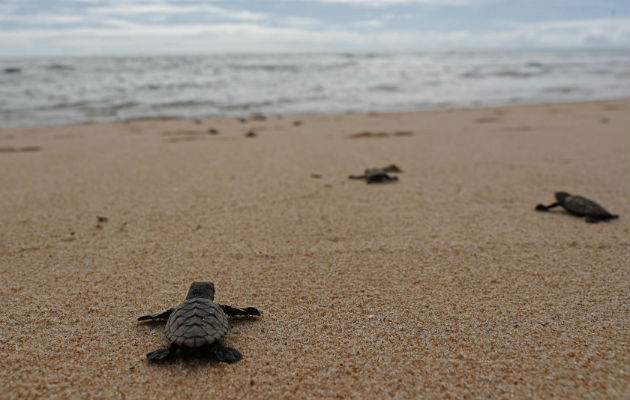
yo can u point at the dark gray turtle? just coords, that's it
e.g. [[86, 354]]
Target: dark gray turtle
[[375, 175], [580, 206], [198, 322]]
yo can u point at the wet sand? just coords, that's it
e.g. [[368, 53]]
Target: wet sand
[[444, 284]]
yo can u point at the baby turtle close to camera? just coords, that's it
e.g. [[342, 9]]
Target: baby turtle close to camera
[[198, 322]]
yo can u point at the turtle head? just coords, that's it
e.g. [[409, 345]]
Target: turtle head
[[205, 290], [560, 196]]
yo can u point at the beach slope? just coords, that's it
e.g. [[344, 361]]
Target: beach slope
[[446, 283]]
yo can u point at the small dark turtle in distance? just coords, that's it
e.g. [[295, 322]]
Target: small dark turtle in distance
[[198, 323], [375, 175], [580, 206], [213, 131], [251, 134]]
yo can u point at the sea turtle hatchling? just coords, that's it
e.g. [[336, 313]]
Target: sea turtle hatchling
[[198, 322], [580, 206], [375, 175]]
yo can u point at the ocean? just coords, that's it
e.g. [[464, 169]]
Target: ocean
[[51, 91]]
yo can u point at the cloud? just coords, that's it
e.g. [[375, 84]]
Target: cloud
[[156, 27], [369, 23], [94, 12], [381, 21], [130, 10], [198, 38], [573, 33], [299, 21], [44, 19], [387, 3], [238, 37]]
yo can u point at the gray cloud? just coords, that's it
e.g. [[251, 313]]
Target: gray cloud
[[151, 27]]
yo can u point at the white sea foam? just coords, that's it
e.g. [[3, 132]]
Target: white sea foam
[[60, 91]]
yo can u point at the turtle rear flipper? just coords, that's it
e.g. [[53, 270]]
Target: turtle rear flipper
[[594, 220], [162, 354], [162, 315], [225, 354], [229, 310]]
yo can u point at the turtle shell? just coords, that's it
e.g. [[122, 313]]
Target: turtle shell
[[582, 206], [196, 322]]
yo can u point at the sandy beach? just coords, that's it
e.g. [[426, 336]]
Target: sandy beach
[[445, 284]]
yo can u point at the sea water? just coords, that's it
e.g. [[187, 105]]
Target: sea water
[[49, 91]]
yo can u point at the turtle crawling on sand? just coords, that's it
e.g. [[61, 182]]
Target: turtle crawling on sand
[[580, 206], [198, 322], [375, 175]]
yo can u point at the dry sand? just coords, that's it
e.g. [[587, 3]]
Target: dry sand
[[444, 284]]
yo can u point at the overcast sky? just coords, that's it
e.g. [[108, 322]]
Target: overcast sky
[[93, 27]]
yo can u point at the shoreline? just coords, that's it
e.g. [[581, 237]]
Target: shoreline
[[289, 115], [445, 283]]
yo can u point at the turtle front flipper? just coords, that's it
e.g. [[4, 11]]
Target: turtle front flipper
[[541, 207], [162, 354], [162, 315], [229, 310], [226, 354]]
